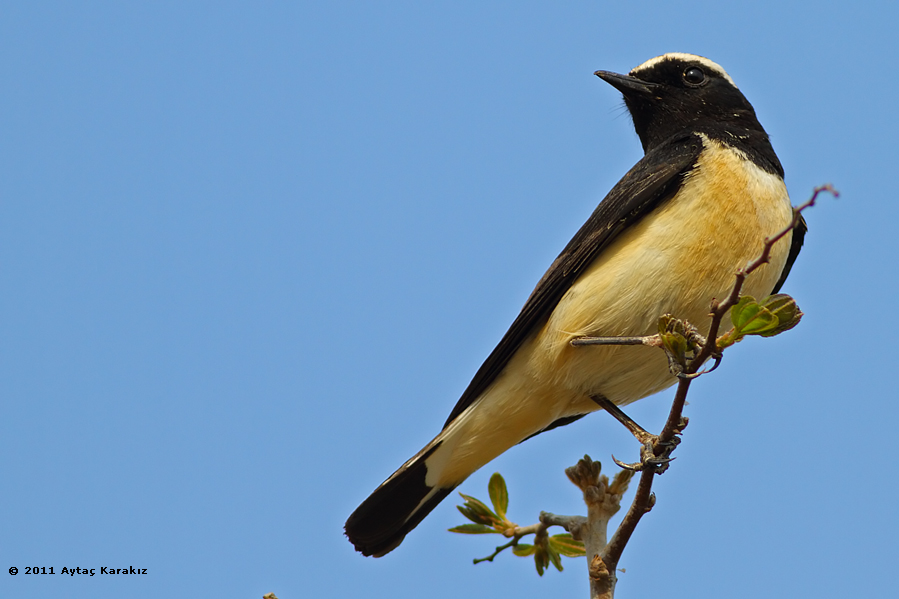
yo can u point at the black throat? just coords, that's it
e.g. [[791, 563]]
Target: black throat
[[737, 127]]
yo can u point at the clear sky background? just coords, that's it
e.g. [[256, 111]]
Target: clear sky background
[[252, 253]]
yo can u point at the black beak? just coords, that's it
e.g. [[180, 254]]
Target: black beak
[[627, 85]]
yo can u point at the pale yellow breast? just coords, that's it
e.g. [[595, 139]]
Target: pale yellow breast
[[674, 261]]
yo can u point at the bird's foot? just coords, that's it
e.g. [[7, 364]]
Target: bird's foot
[[655, 455]]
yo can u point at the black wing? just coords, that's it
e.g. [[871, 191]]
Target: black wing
[[795, 245], [654, 179]]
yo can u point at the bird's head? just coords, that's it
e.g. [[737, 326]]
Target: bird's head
[[677, 92]]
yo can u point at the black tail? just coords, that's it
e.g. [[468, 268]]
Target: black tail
[[381, 523]]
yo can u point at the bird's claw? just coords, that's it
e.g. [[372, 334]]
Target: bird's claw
[[649, 458]]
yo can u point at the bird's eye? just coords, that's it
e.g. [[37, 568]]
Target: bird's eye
[[694, 76]]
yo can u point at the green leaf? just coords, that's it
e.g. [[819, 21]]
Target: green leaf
[[477, 505], [567, 545], [554, 557], [743, 311], [785, 309], [499, 495], [774, 315], [465, 511], [523, 550], [540, 559], [476, 511], [780, 303], [673, 334], [473, 529], [474, 516], [751, 318], [761, 322]]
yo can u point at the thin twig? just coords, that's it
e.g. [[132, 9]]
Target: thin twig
[[517, 534], [643, 498], [498, 550]]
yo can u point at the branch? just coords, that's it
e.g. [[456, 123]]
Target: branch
[[512, 543], [602, 566], [546, 549]]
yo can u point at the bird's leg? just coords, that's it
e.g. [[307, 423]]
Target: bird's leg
[[649, 340], [654, 453], [677, 356], [642, 435]]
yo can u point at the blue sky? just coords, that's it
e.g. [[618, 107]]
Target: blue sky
[[251, 254]]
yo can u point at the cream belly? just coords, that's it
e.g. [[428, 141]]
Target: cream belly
[[675, 260]]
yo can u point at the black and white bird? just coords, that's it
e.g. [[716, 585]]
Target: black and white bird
[[668, 238]]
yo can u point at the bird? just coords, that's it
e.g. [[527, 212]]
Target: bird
[[668, 238]]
